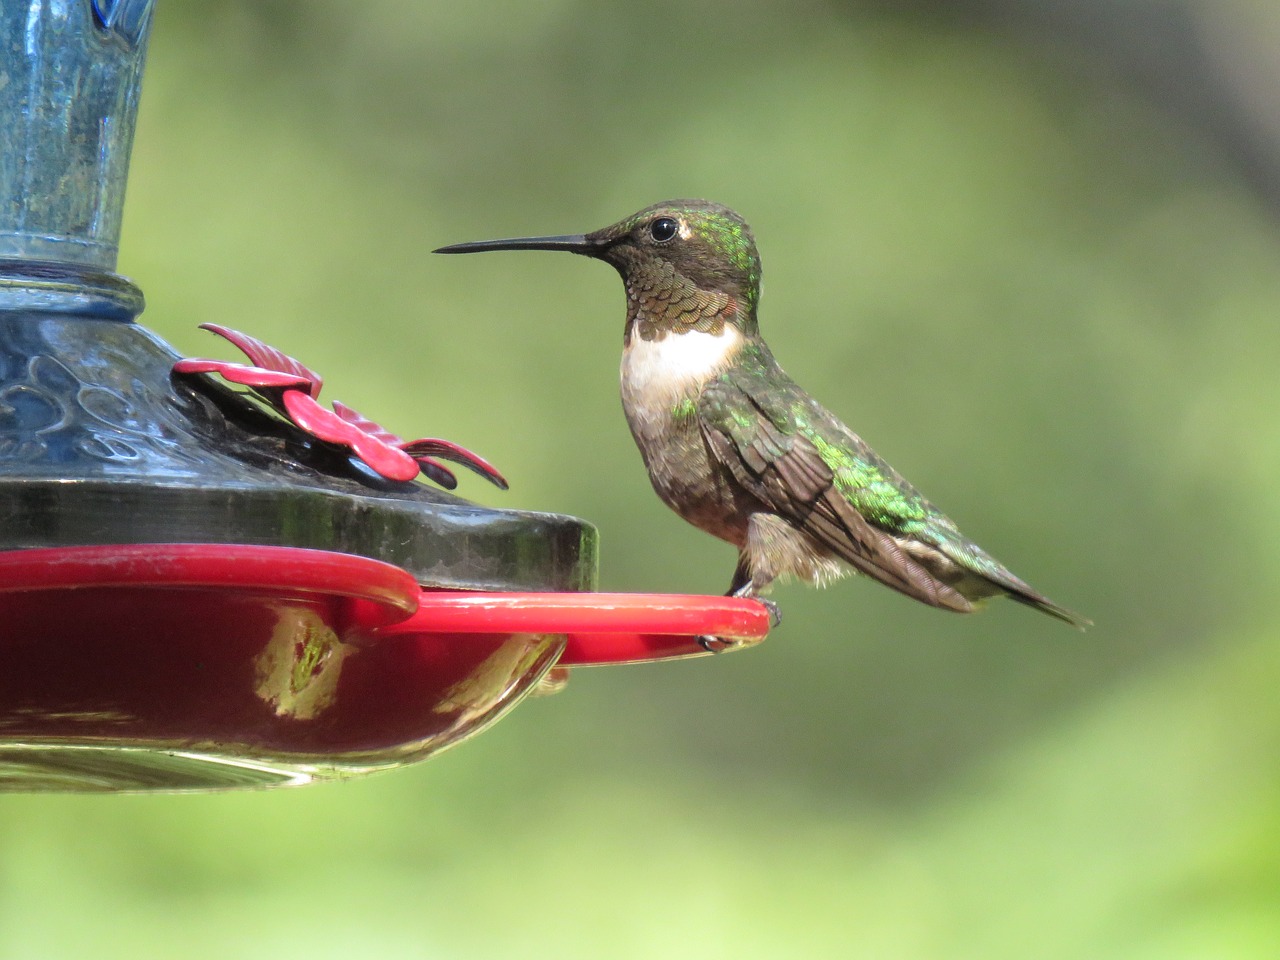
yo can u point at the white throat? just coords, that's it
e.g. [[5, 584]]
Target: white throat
[[656, 374]]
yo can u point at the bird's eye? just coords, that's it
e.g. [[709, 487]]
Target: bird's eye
[[663, 229]]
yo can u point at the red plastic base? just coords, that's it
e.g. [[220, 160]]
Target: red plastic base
[[238, 654]]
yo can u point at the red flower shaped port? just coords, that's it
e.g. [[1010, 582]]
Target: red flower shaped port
[[291, 389]]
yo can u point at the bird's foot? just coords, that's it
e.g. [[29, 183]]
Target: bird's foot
[[747, 593]]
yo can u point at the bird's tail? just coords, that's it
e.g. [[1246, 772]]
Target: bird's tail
[[1045, 605], [993, 578]]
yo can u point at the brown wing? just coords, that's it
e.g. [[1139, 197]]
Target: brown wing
[[786, 472]]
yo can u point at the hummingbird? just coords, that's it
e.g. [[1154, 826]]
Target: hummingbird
[[741, 451]]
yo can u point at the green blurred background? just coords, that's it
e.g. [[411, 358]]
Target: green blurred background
[[1028, 250]]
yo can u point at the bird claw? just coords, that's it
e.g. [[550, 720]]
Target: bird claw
[[714, 644], [775, 612], [720, 644]]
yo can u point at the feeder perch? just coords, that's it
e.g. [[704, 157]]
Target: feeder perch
[[209, 576]]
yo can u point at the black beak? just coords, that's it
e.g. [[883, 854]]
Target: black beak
[[575, 243]]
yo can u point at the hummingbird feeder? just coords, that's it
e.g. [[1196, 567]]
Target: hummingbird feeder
[[207, 587]]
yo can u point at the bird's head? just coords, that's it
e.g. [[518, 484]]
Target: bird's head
[[687, 265]]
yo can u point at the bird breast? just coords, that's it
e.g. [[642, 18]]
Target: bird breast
[[661, 382]]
